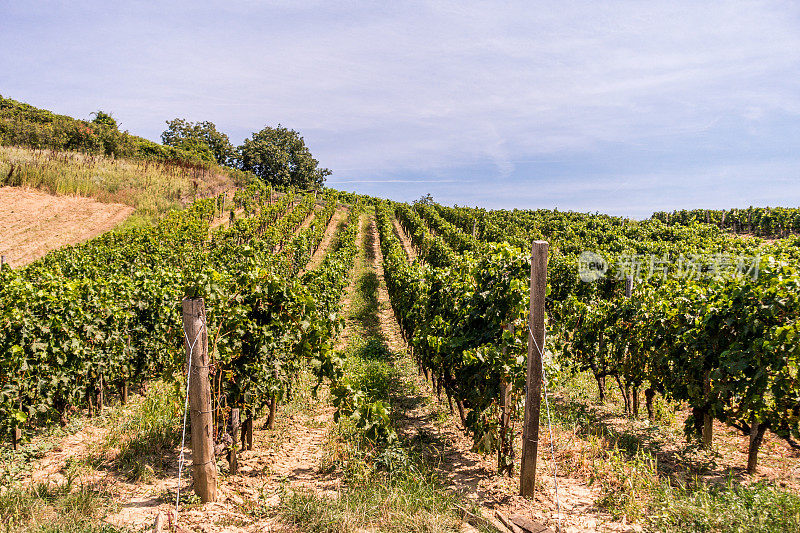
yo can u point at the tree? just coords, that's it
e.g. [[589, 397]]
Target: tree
[[105, 119], [279, 156], [200, 138], [426, 200]]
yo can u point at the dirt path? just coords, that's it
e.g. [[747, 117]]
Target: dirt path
[[33, 223], [472, 473], [225, 219], [389, 328], [309, 219], [347, 299], [299, 460], [51, 468], [460, 466], [294, 461], [330, 233], [411, 253]]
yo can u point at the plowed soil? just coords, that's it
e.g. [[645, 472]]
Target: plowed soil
[[33, 223]]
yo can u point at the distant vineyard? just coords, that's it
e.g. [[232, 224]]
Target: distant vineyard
[[761, 221]]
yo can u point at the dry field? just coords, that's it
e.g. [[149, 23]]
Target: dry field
[[33, 223]]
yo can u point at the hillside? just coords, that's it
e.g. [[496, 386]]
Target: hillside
[[22, 124], [150, 187]]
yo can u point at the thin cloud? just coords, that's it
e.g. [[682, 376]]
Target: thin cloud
[[334, 181], [462, 92]]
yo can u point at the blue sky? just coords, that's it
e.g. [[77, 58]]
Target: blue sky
[[618, 107]]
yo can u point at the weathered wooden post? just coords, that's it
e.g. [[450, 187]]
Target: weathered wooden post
[[273, 408], [708, 420], [232, 459], [247, 431], [756, 438], [533, 397], [635, 388], [16, 437], [204, 467], [100, 395], [505, 422], [123, 392]]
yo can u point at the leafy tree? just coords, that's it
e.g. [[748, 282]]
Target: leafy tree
[[426, 200], [200, 138], [280, 157], [105, 119]]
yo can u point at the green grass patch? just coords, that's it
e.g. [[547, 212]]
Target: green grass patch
[[407, 500], [147, 432], [724, 508], [45, 508]]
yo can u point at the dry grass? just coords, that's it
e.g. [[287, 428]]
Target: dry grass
[[648, 473], [150, 187]]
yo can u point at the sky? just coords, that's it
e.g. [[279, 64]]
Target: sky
[[618, 107]]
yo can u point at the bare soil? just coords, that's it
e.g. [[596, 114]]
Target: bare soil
[[32, 223], [682, 461], [310, 218], [330, 232], [411, 253]]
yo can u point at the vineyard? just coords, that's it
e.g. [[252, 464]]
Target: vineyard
[[669, 363]]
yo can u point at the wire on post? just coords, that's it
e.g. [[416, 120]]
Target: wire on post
[[181, 458], [549, 426]]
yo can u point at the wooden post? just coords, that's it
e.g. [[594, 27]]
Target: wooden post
[[649, 394], [273, 407], [634, 400], [505, 421], [16, 437], [123, 392], [247, 432], [250, 431], [533, 397], [756, 437], [232, 460], [462, 414], [708, 420], [204, 467], [100, 396]]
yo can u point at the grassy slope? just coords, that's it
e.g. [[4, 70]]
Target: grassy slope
[[150, 187]]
